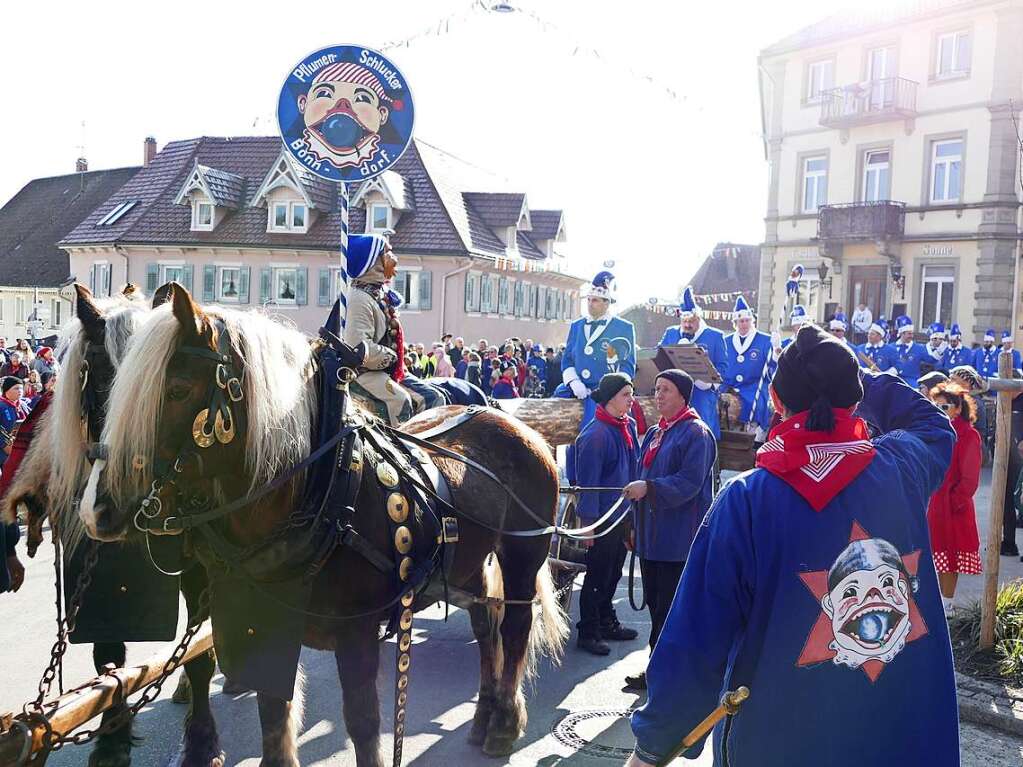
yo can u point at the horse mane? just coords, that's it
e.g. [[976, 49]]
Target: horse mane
[[278, 370], [55, 465]]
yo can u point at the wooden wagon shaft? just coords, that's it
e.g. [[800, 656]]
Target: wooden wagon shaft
[[76, 707]]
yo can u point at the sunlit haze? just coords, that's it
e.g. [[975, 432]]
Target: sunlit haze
[[647, 180]]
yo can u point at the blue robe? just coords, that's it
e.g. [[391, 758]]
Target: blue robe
[[746, 373], [961, 355], [611, 348], [881, 355], [992, 363], [907, 360], [986, 361], [753, 609], [540, 364], [712, 341], [599, 457], [680, 488]]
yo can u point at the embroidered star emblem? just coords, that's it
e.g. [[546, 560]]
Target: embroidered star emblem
[[883, 619]]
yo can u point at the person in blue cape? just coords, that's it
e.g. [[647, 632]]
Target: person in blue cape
[[749, 354], [597, 344], [671, 496], [985, 357], [604, 455], [956, 354], [811, 583], [907, 353], [876, 354], [937, 344], [536, 360], [693, 330], [1007, 344]]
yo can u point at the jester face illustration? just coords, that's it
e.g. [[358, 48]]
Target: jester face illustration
[[868, 603]]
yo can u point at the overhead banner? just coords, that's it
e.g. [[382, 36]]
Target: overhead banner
[[346, 113]]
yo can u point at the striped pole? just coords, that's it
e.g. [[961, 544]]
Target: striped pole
[[343, 295]]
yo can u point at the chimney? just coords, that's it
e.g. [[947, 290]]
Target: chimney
[[81, 165], [149, 151]]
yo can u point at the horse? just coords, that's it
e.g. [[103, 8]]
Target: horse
[[157, 405], [56, 466]]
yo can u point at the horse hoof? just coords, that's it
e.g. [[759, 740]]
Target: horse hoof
[[478, 734], [217, 760], [499, 745], [183, 692], [110, 754]]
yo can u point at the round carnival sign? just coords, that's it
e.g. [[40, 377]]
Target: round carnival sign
[[346, 113]]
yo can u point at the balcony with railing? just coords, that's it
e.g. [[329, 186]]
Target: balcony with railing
[[880, 220], [873, 101]]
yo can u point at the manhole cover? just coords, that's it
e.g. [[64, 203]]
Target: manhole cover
[[598, 732]]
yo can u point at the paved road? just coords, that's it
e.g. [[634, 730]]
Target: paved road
[[444, 679]]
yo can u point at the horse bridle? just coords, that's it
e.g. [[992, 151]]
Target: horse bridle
[[215, 424]]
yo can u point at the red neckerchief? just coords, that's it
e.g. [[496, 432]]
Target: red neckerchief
[[622, 424], [685, 414], [817, 464], [19, 407]]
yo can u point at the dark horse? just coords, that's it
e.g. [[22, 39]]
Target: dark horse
[[54, 469]]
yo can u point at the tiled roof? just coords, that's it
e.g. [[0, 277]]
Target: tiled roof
[[437, 219], [227, 189], [546, 224], [729, 268], [497, 208], [527, 248], [862, 19], [41, 214]]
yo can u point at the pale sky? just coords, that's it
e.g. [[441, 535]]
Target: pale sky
[[646, 180]]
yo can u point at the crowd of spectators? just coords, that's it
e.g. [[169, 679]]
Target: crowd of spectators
[[36, 369], [514, 369]]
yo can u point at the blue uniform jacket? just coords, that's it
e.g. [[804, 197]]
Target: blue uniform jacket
[[881, 355], [766, 574], [593, 352], [540, 364], [986, 361], [680, 488], [600, 458], [712, 341], [746, 374], [907, 360], [961, 355]]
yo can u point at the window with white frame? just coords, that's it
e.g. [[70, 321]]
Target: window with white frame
[[2, 302], [946, 170], [288, 217], [172, 273], [202, 215], [99, 279], [407, 285], [820, 76], [56, 312], [809, 295], [285, 284], [937, 289], [228, 284], [815, 183], [379, 217], [952, 54], [876, 175], [472, 292]]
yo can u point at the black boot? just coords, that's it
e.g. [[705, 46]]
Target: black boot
[[593, 644], [617, 632], [637, 682], [1009, 549]]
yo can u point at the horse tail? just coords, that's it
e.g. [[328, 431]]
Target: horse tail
[[550, 623]]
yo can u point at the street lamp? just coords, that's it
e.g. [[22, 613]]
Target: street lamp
[[822, 275]]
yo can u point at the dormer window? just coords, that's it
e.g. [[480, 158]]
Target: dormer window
[[379, 217], [288, 217], [202, 216]]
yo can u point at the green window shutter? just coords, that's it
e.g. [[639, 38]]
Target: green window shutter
[[468, 292], [92, 279], [243, 285], [186, 276], [301, 297], [264, 285], [425, 290], [209, 278], [152, 275], [324, 292]]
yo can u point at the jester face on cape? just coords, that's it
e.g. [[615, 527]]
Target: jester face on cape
[[868, 602], [344, 110]]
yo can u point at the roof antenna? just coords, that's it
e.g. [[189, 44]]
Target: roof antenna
[[82, 164]]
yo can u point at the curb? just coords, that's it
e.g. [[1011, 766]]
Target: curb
[[989, 704]]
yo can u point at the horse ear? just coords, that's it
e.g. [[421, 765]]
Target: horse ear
[[88, 313], [189, 315], [163, 294]]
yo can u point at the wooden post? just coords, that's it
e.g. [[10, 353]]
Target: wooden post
[[76, 707], [999, 473]]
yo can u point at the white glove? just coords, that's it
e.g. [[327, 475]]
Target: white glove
[[775, 339], [702, 385], [578, 389]]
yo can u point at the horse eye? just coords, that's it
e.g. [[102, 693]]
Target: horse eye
[[177, 393]]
